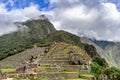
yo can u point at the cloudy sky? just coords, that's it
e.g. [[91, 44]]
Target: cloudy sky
[[93, 18]]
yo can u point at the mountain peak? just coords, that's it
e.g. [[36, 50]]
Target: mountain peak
[[41, 17], [28, 33]]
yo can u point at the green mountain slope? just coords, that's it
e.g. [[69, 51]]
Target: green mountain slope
[[63, 36], [29, 33]]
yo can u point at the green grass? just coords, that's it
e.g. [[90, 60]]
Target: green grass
[[30, 79], [72, 65], [68, 70], [87, 75], [47, 66], [7, 70], [20, 79], [57, 60], [63, 72], [44, 68], [75, 79]]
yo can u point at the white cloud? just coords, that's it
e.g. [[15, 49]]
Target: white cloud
[[2, 8], [8, 18], [79, 13], [111, 11], [92, 18], [26, 13]]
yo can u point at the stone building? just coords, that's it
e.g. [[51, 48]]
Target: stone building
[[28, 68]]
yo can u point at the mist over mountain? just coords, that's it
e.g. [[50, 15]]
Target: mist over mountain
[[28, 33]]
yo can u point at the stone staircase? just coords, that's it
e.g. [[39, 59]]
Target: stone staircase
[[56, 66]]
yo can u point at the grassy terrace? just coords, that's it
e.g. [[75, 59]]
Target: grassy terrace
[[87, 75], [30, 79], [7, 70], [57, 60], [71, 65], [47, 66], [62, 72], [75, 79]]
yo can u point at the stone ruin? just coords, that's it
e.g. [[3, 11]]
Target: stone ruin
[[28, 68], [31, 69], [77, 59]]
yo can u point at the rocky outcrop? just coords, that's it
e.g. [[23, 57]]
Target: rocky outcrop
[[77, 58]]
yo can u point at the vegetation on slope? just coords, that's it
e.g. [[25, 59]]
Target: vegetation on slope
[[91, 50], [62, 36], [102, 71], [112, 73], [98, 65], [20, 40]]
